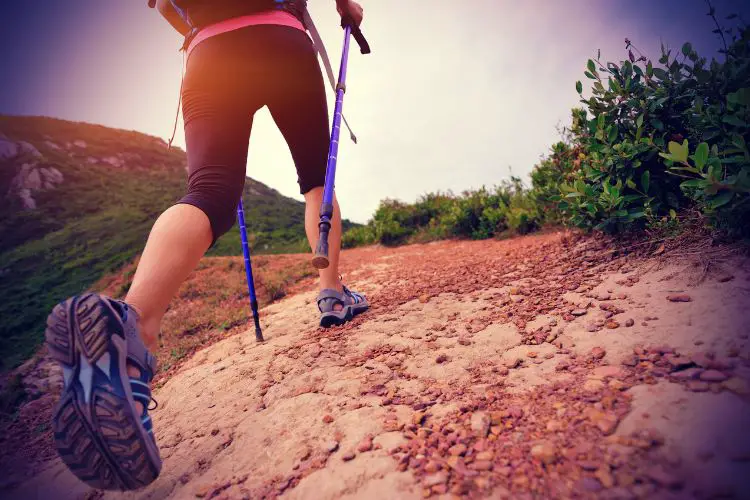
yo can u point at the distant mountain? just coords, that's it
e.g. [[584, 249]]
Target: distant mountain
[[78, 200]]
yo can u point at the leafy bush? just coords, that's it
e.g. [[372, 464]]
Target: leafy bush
[[627, 161], [546, 177], [624, 163], [476, 214], [357, 236], [393, 222]]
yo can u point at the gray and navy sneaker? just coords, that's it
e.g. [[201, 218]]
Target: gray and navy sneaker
[[98, 431]]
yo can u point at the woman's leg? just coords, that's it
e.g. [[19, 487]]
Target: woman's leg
[[217, 155], [178, 240], [219, 102], [329, 277], [299, 108], [102, 346]]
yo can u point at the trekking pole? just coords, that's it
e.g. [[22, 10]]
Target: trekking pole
[[320, 259], [249, 271]]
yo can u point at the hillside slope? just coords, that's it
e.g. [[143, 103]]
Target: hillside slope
[[549, 366], [77, 200]]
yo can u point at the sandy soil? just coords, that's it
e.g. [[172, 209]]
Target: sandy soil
[[549, 366]]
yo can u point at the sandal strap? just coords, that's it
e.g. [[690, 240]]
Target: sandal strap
[[139, 356], [330, 294], [357, 298], [138, 353]]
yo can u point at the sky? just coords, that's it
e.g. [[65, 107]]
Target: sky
[[455, 94]]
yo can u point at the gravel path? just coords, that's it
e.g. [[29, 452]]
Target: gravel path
[[548, 366]]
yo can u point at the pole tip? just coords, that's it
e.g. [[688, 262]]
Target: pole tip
[[320, 261]]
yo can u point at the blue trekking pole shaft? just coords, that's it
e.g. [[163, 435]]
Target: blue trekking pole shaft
[[333, 147], [320, 259], [249, 271]]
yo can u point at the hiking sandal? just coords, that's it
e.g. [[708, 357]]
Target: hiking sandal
[[98, 431], [352, 303]]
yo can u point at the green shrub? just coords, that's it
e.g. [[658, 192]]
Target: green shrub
[[393, 222], [546, 177], [624, 163], [477, 214], [358, 236], [627, 161]]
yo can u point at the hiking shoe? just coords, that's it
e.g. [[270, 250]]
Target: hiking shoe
[[352, 303], [98, 431]]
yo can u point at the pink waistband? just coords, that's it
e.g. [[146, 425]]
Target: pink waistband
[[278, 17]]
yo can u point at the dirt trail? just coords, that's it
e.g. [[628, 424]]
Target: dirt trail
[[545, 366]]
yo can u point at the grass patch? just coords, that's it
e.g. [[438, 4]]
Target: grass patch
[[97, 221]]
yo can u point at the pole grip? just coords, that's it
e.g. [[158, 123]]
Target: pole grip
[[364, 47]]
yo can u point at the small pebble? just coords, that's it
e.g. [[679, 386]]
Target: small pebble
[[605, 477], [682, 297], [435, 479], [545, 452], [365, 444], [689, 374], [713, 376], [737, 385], [431, 466], [598, 352], [591, 484], [513, 362], [480, 423], [481, 465], [663, 478], [588, 465], [458, 449], [698, 386]]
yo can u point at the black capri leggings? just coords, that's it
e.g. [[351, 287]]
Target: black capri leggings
[[228, 78]]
